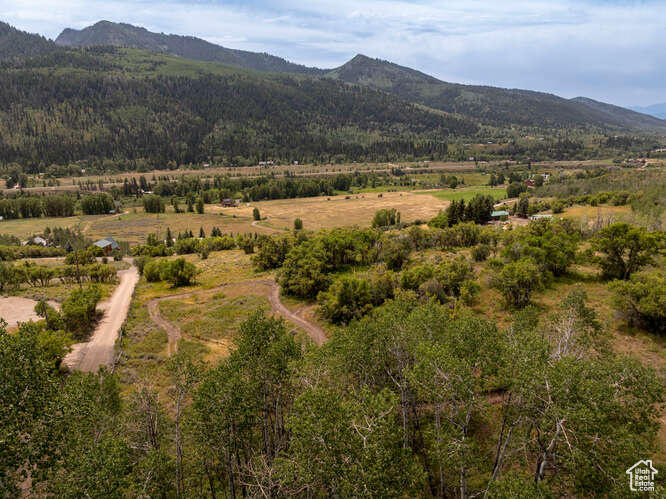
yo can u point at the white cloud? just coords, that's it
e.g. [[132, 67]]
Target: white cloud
[[606, 50]]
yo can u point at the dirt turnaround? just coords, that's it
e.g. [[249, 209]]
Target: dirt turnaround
[[99, 350], [15, 309], [174, 333]]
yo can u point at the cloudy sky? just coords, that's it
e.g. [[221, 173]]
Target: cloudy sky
[[611, 50]]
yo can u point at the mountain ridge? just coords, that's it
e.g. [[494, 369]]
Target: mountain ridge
[[15, 43], [491, 105], [190, 47], [484, 105]]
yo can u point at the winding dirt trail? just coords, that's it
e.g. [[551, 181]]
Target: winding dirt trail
[[99, 350], [274, 230], [174, 333]]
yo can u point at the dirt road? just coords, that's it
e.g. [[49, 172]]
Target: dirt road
[[174, 333], [99, 350], [266, 227], [315, 332]]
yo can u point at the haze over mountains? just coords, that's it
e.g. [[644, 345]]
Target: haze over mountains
[[657, 110]]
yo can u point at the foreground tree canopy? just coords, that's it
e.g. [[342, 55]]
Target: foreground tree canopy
[[414, 399]]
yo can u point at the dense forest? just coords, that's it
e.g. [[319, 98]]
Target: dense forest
[[53, 116]]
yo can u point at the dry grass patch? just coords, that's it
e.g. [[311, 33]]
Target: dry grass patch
[[336, 211], [135, 227]]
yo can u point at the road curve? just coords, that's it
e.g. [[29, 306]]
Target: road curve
[[274, 230], [174, 333], [100, 349]]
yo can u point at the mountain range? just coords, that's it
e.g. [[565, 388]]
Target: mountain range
[[119, 93], [484, 104]]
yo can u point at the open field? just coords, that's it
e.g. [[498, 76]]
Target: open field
[[26, 227], [135, 227], [336, 211], [593, 212], [316, 213], [467, 193], [69, 183]]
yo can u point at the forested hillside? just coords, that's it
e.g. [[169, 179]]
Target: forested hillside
[[487, 105], [63, 105], [126, 35], [490, 105], [84, 104], [16, 44]]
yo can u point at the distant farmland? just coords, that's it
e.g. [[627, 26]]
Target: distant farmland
[[467, 193]]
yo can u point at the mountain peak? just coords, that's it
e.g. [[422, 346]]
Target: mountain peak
[[126, 35]]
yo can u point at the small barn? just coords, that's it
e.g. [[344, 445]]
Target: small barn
[[107, 244], [229, 203], [499, 215]]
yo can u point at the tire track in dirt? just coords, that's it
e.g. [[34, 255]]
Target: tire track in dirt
[[174, 333]]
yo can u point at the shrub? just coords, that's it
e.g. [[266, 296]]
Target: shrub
[[298, 224], [153, 204], [440, 221], [348, 298], [481, 252], [643, 299], [386, 217], [10, 276], [79, 310], [152, 271], [416, 275], [97, 204], [218, 243], [187, 246], [178, 272], [393, 251], [558, 206], [517, 281], [256, 214], [100, 272], [246, 243], [469, 292], [625, 249], [141, 263]]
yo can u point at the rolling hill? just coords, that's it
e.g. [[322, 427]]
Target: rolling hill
[[126, 35]]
